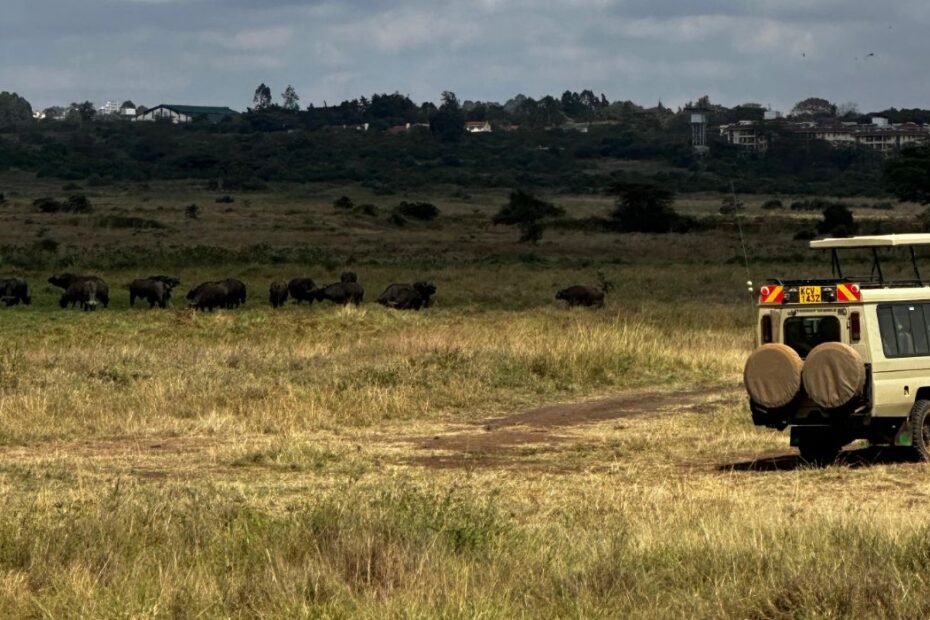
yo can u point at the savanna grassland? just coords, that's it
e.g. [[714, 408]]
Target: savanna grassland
[[496, 455]]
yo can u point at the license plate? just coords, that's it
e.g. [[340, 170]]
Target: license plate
[[809, 295]]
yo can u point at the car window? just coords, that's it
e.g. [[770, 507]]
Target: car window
[[803, 333], [904, 330]]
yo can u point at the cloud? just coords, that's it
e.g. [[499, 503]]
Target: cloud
[[773, 51]]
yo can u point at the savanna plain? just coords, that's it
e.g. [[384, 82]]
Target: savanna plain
[[494, 455]]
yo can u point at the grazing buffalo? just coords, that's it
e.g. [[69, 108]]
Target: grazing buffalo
[[277, 294], [14, 291], [84, 292], [582, 296], [209, 296], [348, 276], [301, 289], [234, 296], [408, 296], [341, 293], [67, 280], [154, 289]]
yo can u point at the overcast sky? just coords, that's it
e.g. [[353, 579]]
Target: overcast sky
[[773, 52]]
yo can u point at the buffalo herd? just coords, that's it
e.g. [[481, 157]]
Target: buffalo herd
[[90, 292]]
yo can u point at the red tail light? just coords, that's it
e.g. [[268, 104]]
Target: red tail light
[[766, 328], [855, 327]]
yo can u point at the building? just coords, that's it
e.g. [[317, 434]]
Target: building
[[878, 135], [187, 114], [110, 107], [478, 127], [749, 135]]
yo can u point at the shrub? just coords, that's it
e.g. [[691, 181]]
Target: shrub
[[804, 235], [343, 202], [225, 199], [192, 211], [367, 209], [397, 219], [78, 203], [774, 203], [47, 245], [47, 205], [837, 221], [2, 199], [425, 211], [883, 206], [125, 221], [72, 187]]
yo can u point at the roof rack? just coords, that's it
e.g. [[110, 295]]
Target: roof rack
[[877, 278]]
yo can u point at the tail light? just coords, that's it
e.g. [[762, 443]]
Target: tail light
[[855, 327], [766, 328]]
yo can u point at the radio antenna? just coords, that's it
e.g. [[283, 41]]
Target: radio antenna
[[742, 242]]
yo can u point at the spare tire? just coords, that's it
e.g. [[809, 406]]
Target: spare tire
[[833, 375], [772, 375]]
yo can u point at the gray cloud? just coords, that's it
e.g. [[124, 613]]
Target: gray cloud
[[217, 51]]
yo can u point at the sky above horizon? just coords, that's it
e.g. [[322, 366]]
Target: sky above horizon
[[215, 52]]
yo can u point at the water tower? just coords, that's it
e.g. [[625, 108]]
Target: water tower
[[699, 130]]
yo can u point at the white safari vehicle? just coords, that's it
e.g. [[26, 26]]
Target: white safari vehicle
[[847, 357]]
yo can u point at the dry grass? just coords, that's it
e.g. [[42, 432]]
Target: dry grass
[[326, 462]]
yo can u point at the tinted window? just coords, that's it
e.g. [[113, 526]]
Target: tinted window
[[803, 333], [904, 330]]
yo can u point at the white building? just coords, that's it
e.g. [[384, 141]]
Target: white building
[[478, 127]]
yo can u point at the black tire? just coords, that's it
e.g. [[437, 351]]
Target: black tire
[[919, 423]]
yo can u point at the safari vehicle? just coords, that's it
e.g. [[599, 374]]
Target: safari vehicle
[[846, 357]]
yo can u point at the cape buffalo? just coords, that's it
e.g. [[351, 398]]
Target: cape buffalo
[[210, 295], [234, 295], [14, 291], [341, 293], [301, 289], [153, 290], [85, 292], [66, 280], [277, 294], [407, 296], [579, 295]]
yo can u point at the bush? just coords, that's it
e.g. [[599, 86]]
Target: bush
[[804, 235], [837, 221], [774, 203], [883, 206], [397, 219], [644, 208], [2, 199], [225, 199], [367, 209], [343, 202], [192, 211], [77, 203], [47, 245], [425, 211], [124, 221]]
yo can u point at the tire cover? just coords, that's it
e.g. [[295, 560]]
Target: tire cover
[[772, 375], [833, 375]]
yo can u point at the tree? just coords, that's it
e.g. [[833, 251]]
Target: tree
[[262, 98], [907, 176], [290, 99], [641, 207], [813, 106], [81, 112], [449, 121], [14, 110], [837, 221], [528, 213]]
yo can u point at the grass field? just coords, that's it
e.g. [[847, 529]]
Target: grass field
[[496, 455]]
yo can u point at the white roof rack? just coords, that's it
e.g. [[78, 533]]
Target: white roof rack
[[872, 241]]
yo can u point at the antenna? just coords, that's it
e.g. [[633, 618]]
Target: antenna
[[742, 243]]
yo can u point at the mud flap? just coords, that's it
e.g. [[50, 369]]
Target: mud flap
[[903, 436]]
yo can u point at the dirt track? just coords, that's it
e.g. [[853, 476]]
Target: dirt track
[[536, 429]]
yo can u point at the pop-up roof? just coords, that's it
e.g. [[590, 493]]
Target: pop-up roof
[[872, 241]]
